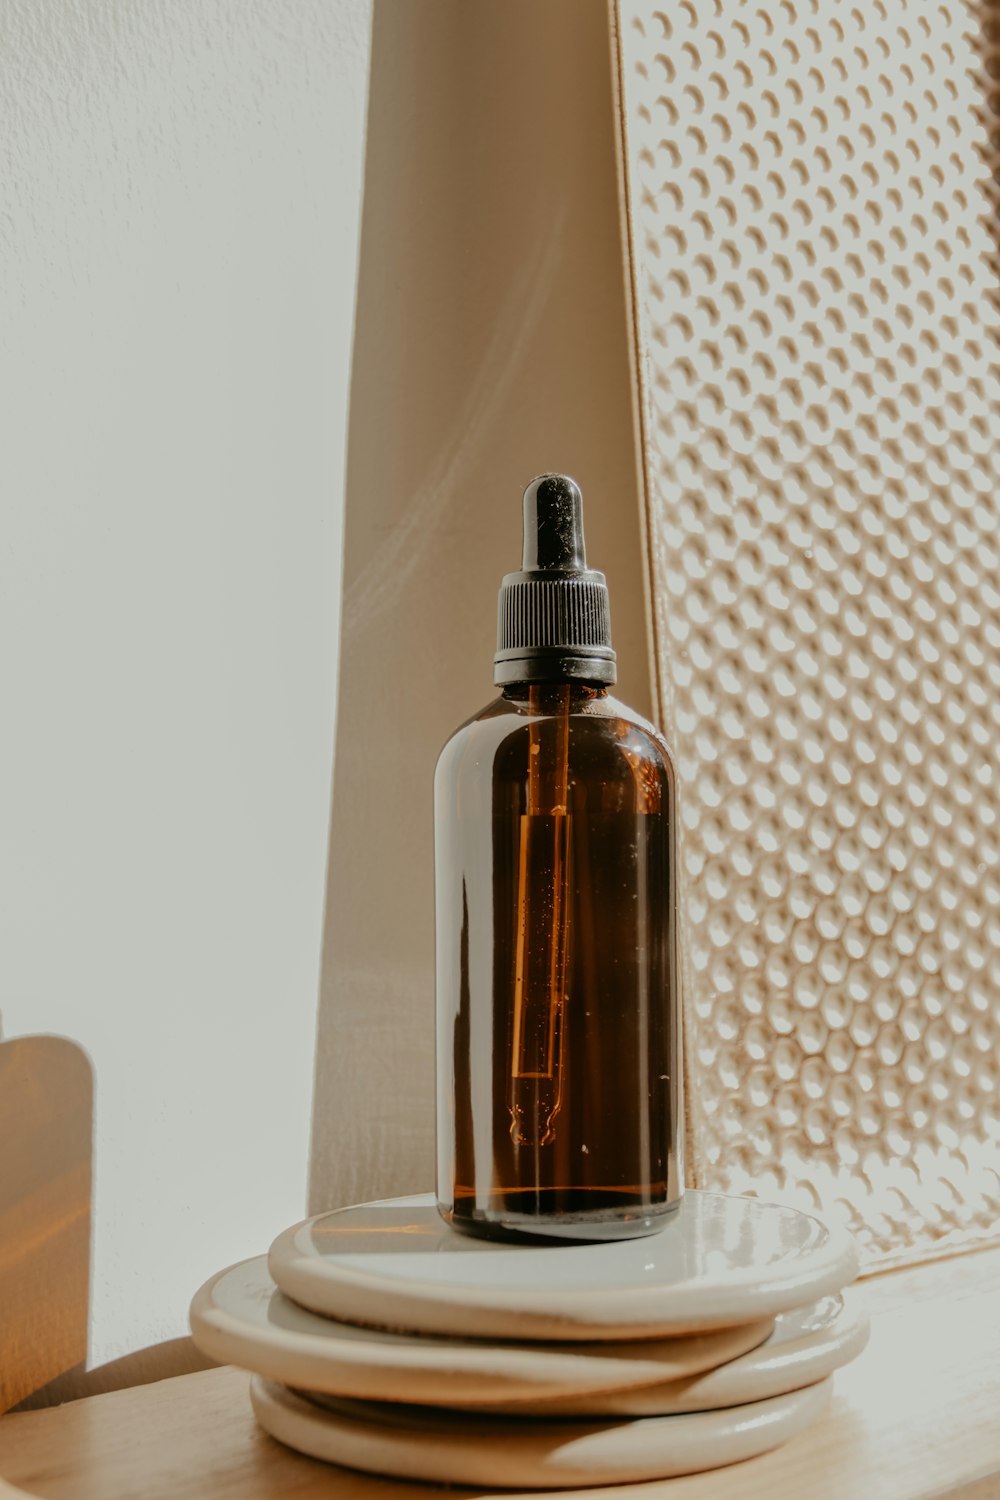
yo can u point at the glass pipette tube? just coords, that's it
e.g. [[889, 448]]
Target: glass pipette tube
[[543, 918]]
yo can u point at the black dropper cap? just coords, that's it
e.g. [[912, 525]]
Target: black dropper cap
[[554, 620]]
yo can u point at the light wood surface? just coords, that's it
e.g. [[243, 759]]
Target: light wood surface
[[917, 1417], [46, 1106]]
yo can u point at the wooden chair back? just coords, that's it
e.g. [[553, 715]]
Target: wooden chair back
[[46, 1115]]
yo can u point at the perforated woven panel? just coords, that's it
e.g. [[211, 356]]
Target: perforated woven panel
[[812, 240]]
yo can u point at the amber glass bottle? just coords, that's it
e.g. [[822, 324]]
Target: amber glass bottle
[[558, 1044]]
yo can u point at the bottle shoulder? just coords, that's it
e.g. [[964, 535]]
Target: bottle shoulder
[[606, 741], [516, 714], [470, 735]]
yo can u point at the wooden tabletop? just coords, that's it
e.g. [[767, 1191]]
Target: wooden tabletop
[[917, 1417]]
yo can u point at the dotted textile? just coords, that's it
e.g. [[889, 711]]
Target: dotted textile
[[812, 239]]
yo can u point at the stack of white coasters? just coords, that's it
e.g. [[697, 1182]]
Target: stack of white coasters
[[384, 1341]]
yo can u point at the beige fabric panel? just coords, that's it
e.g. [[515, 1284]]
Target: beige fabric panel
[[490, 345], [812, 245]]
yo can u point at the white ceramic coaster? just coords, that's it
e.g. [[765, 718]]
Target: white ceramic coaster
[[506, 1453], [240, 1318], [717, 1262], [806, 1346]]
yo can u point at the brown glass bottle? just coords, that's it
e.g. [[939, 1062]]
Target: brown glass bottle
[[558, 1040]]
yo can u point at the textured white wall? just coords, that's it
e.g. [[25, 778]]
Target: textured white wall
[[177, 269]]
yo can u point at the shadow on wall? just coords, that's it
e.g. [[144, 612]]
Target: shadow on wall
[[491, 344]]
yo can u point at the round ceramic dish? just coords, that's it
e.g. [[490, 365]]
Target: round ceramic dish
[[240, 1318], [806, 1346], [500, 1452], [718, 1262]]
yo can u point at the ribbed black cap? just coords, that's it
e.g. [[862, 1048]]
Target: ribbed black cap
[[554, 619]]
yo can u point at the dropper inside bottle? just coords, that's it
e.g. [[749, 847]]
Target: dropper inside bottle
[[553, 542]]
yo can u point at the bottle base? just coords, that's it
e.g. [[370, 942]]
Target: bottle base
[[586, 1227]]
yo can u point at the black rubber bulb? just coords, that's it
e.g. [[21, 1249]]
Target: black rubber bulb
[[553, 525]]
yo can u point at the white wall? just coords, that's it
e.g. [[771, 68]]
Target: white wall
[[177, 273]]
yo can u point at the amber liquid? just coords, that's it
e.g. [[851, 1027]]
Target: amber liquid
[[558, 1041]]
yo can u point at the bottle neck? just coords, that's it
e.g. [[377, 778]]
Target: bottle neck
[[552, 697]]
